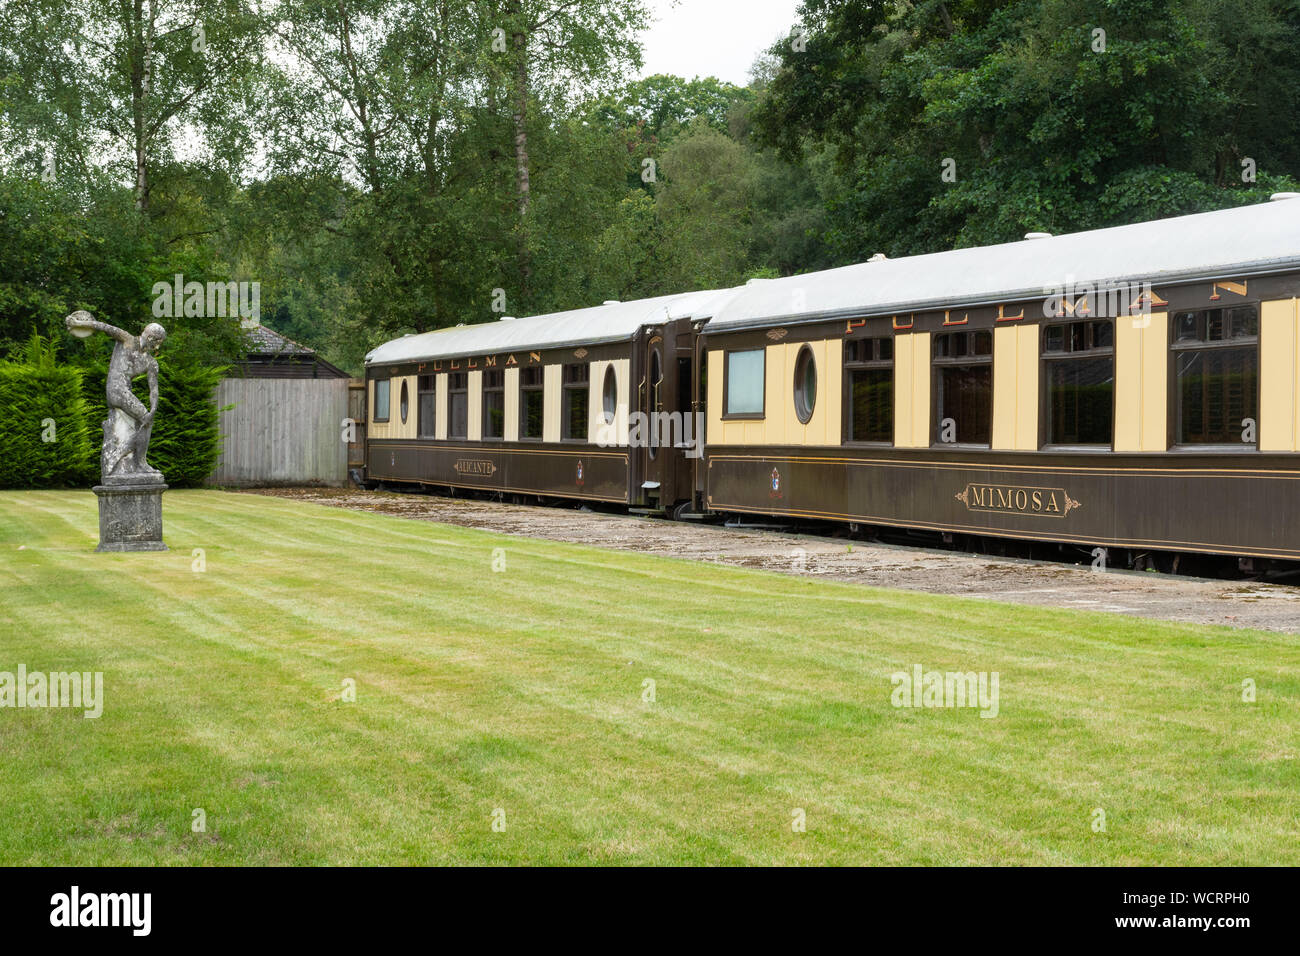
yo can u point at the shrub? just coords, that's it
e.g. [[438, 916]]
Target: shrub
[[45, 439], [185, 442]]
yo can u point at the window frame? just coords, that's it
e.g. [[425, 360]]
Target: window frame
[[970, 359], [608, 388], [420, 392], [803, 409], [387, 382], [525, 388], [568, 388], [489, 376], [1090, 351], [1174, 392], [452, 392], [727, 414], [854, 364]]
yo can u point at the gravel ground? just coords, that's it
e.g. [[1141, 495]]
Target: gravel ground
[[1272, 607]]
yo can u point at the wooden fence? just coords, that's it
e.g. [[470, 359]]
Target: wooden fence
[[282, 431]]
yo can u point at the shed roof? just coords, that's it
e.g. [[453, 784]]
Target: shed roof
[[263, 340]]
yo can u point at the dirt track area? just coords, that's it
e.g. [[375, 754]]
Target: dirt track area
[[1271, 607]]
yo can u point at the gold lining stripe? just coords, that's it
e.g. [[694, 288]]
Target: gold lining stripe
[[990, 466], [504, 451], [508, 488], [1002, 533]]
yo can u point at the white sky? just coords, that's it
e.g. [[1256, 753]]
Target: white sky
[[713, 37]]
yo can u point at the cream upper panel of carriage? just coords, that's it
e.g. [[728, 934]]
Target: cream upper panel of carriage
[[575, 401]]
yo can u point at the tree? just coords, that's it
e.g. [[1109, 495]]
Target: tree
[[112, 85], [705, 204], [558, 51], [968, 122]]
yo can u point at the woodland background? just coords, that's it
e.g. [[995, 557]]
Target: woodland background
[[382, 166]]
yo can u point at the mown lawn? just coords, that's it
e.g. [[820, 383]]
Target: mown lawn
[[522, 691]]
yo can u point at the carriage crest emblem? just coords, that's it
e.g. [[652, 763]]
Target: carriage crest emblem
[[775, 491], [579, 478]]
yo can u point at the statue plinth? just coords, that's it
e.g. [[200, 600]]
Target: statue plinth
[[130, 493], [130, 514]]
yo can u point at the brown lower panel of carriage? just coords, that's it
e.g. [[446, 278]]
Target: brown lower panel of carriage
[[562, 471], [1247, 505]]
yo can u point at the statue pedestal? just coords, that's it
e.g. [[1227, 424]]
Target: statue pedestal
[[130, 516]]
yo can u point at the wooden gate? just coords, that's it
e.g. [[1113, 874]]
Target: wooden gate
[[357, 412]]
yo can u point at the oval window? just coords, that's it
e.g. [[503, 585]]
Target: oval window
[[404, 403], [610, 395], [805, 385]]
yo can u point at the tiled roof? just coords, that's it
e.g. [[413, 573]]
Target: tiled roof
[[265, 341]]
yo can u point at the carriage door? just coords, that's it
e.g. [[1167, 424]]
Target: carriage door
[[650, 398], [664, 398]]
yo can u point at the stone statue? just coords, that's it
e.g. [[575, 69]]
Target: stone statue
[[129, 423], [130, 493]]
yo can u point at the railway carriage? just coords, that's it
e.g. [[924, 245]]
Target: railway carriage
[[1133, 388], [551, 406]]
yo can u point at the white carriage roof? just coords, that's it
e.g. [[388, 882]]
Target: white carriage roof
[[1230, 243], [1255, 239], [614, 322]]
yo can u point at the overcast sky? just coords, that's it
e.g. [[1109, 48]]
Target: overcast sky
[[713, 37]]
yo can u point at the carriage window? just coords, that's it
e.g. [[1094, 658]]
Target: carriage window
[[532, 401], [574, 402], [381, 399], [427, 403], [963, 365], [1216, 366], [805, 385], [609, 395], [1080, 366], [745, 383], [869, 375], [494, 403], [404, 403], [458, 401]]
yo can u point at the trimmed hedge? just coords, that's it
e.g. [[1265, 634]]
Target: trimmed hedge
[[186, 440], [40, 402]]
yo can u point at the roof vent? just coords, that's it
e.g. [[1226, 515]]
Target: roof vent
[[506, 318], [611, 302], [1038, 235], [756, 280], [878, 257], [1278, 197]]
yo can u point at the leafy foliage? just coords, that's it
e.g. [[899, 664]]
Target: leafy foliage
[[1052, 115], [420, 160], [44, 438], [186, 441]]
